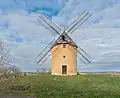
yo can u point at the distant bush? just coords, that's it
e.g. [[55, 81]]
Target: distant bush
[[19, 87], [78, 73]]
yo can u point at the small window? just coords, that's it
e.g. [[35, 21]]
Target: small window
[[63, 56], [64, 46]]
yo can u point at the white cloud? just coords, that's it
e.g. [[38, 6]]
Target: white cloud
[[100, 36], [24, 25]]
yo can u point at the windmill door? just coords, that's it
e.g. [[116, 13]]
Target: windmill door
[[64, 69]]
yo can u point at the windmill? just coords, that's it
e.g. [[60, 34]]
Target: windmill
[[64, 51]]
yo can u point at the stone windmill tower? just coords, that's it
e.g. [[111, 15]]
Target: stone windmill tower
[[64, 50]]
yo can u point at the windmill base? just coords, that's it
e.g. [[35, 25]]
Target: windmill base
[[71, 74]]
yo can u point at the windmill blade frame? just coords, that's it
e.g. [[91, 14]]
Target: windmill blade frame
[[45, 51], [70, 25], [83, 56], [78, 22], [45, 59], [52, 22], [77, 56], [49, 25], [80, 49]]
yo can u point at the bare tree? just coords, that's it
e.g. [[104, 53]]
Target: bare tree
[[5, 58]]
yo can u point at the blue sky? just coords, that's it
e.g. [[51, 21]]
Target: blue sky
[[99, 36]]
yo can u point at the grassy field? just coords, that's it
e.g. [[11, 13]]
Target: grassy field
[[47, 86]]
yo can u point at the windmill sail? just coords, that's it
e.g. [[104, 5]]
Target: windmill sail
[[78, 56], [45, 51], [46, 57], [85, 53], [78, 22], [71, 24], [83, 57], [49, 25]]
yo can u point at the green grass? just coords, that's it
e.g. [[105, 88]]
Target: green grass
[[81, 86]]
